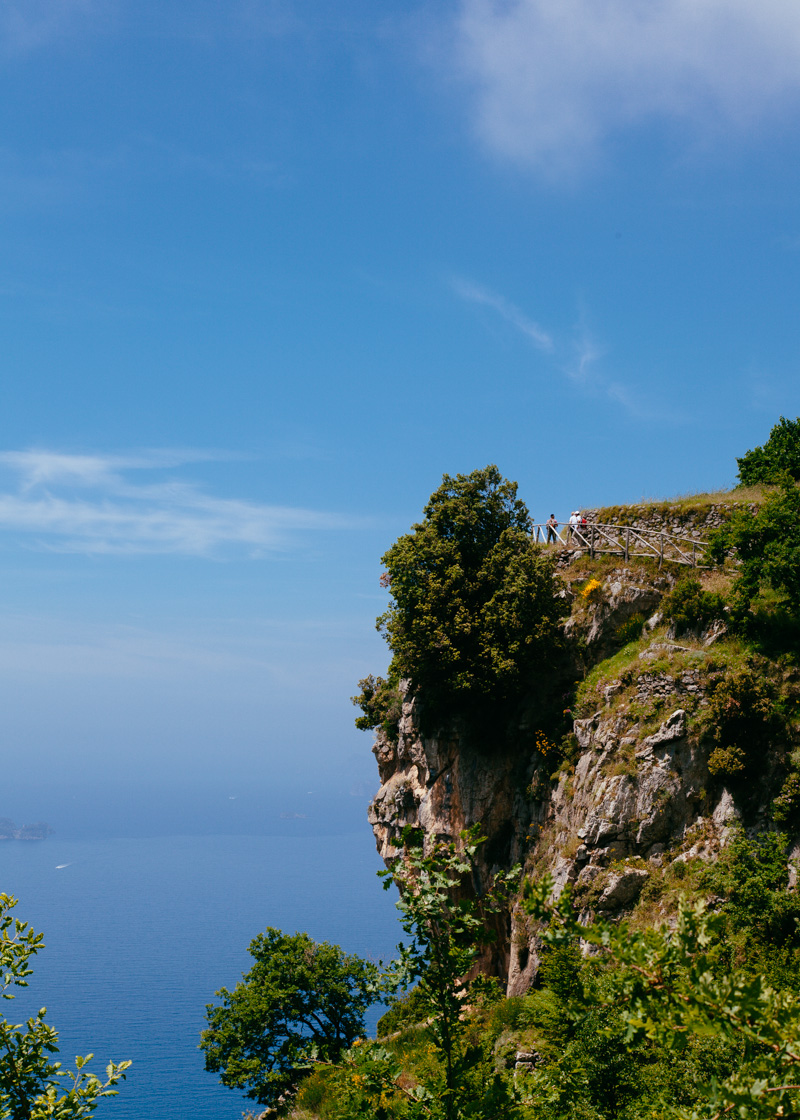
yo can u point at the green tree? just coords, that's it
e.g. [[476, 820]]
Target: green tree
[[475, 612], [302, 1001], [447, 926], [767, 546], [32, 1086], [779, 454]]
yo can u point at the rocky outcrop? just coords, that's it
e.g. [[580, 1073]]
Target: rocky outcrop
[[629, 800], [623, 595]]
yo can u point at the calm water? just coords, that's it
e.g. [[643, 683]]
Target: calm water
[[140, 933]]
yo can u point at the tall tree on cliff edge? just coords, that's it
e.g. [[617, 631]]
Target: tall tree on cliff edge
[[475, 617], [781, 453]]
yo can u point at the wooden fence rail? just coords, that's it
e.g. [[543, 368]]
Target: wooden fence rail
[[623, 540]]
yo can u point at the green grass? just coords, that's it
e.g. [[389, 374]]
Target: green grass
[[625, 665], [588, 696], [583, 568]]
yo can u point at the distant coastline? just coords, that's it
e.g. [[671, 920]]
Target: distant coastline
[[40, 830]]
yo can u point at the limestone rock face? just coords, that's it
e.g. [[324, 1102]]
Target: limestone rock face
[[622, 888], [628, 800], [446, 783]]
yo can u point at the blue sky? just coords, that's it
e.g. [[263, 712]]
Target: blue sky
[[269, 269]]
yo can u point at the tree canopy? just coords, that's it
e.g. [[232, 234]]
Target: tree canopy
[[301, 1001], [474, 609], [781, 453]]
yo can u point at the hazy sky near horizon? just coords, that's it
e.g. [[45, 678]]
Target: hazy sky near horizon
[[270, 268]]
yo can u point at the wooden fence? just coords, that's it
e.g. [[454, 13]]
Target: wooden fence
[[622, 540]]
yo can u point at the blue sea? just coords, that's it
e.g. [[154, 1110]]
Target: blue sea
[[141, 932]]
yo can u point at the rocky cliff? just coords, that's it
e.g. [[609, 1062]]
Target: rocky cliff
[[629, 795]]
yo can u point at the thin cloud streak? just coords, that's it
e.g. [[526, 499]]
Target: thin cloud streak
[[583, 350], [553, 80], [512, 314], [88, 504], [587, 352]]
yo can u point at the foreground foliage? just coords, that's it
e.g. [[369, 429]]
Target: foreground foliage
[[32, 1086], [673, 987], [697, 1020], [447, 927]]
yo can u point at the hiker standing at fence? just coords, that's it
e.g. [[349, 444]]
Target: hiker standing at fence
[[552, 525], [574, 522]]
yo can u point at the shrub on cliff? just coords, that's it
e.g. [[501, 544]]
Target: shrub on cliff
[[744, 720], [780, 453], [753, 878], [767, 546], [475, 614], [689, 607], [381, 705]]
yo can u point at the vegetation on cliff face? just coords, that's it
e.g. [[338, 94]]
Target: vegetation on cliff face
[[475, 613], [767, 550], [689, 606]]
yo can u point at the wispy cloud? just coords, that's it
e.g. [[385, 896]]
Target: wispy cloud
[[100, 504], [576, 358], [586, 351], [552, 80], [512, 314]]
